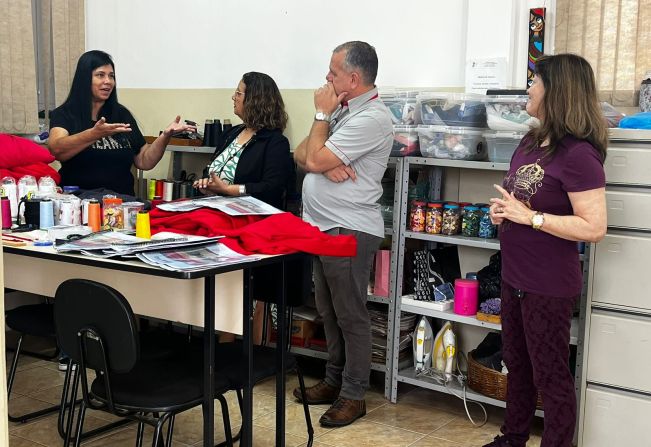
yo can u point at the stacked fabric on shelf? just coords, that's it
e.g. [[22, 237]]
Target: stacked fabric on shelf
[[19, 157]]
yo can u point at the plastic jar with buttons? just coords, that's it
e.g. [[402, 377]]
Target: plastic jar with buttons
[[417, 216], [470, 222], [486, 228], [434, 218], [451, 219]]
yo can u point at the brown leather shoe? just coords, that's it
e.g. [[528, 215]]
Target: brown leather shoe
[[343, 412], [321, 393]]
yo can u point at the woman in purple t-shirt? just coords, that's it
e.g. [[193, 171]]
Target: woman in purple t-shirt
[[552, 197]]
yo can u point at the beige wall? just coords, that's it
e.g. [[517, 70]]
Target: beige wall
[[155, 108]]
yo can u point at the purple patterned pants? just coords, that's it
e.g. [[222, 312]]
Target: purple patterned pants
[[536, 349]]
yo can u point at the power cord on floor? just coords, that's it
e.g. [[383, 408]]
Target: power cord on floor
[[443, 379]]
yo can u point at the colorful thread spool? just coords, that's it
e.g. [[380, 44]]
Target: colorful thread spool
[[143, 228]]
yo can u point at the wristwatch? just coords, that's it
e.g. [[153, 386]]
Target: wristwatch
[[321, 116], [242, 190], [537, 220]]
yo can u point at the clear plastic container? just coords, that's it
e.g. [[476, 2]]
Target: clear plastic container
[[402, 105], [502, 145], [47, 186], [470, 221], [451, 223], [417, 216], [457, 143], [452, 109], [509, 113], [405, 141]]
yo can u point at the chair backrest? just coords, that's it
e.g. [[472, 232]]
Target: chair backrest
[[82, 306]]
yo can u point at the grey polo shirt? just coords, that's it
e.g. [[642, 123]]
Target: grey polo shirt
[[361, 135]]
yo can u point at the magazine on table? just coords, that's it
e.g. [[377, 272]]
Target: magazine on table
[[192, 259], [233, 206], [106, 244]]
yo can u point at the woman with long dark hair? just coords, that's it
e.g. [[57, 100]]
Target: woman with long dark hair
[[96, 138], [552, 197]]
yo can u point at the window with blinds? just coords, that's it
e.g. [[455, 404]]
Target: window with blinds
[[614, 36]]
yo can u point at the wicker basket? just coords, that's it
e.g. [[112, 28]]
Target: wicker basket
[[489, 382]]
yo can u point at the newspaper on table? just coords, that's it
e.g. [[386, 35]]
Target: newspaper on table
[[106, 244], [192, 259], [233, 206]]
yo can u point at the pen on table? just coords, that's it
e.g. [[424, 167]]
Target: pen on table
[[19, 238]]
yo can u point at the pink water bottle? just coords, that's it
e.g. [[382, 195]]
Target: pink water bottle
[[466, 296]]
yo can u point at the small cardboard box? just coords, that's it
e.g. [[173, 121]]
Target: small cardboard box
[[303, 329]]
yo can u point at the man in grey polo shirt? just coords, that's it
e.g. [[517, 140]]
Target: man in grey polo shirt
[[345, 156]]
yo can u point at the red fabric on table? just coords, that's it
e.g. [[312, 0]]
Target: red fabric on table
[[276, 234]]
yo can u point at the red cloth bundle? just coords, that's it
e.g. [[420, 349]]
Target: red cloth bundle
[[20, 156], [276, 234]]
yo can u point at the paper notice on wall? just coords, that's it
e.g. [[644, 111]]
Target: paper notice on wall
[[485, 74]]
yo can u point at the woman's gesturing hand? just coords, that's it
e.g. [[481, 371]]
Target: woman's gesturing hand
[[103, 129], [508, 207], [177, 127]]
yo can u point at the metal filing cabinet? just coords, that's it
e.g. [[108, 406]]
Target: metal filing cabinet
[[616, 407]]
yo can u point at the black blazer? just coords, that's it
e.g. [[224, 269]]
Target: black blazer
[[265, 167]]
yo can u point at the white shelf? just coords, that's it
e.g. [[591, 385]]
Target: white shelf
[[190, 149], [423, 308], [483, 165], [480, 242], [408, 375]]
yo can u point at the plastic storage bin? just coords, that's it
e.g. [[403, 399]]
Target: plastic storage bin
[[509, 112], [405, 141], [502, 145], [458, 143], [402, 106], [452, 109]]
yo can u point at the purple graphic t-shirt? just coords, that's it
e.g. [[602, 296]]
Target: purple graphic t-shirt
[[535, 261]]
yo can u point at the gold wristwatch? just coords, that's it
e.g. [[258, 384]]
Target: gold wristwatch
[[537, 220]]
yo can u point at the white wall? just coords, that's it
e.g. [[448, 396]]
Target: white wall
[[209, 44]]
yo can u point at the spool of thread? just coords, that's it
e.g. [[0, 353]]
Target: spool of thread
[[151, 188], [227, 126], [143, 229], [5, 204], [46, 216], [94, 216], [208, 133], [168, 191], [159, 188], [216, 131], [10, 192], [176, 190]]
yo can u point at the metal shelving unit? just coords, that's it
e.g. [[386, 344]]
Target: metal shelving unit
[[402, 303]]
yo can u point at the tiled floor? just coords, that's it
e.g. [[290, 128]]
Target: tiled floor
[[421, 418]]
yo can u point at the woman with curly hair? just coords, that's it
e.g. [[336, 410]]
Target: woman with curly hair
[[253, 158]]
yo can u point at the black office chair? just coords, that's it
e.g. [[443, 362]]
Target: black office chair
[[298, 283], [96, 327], [30, 320]]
